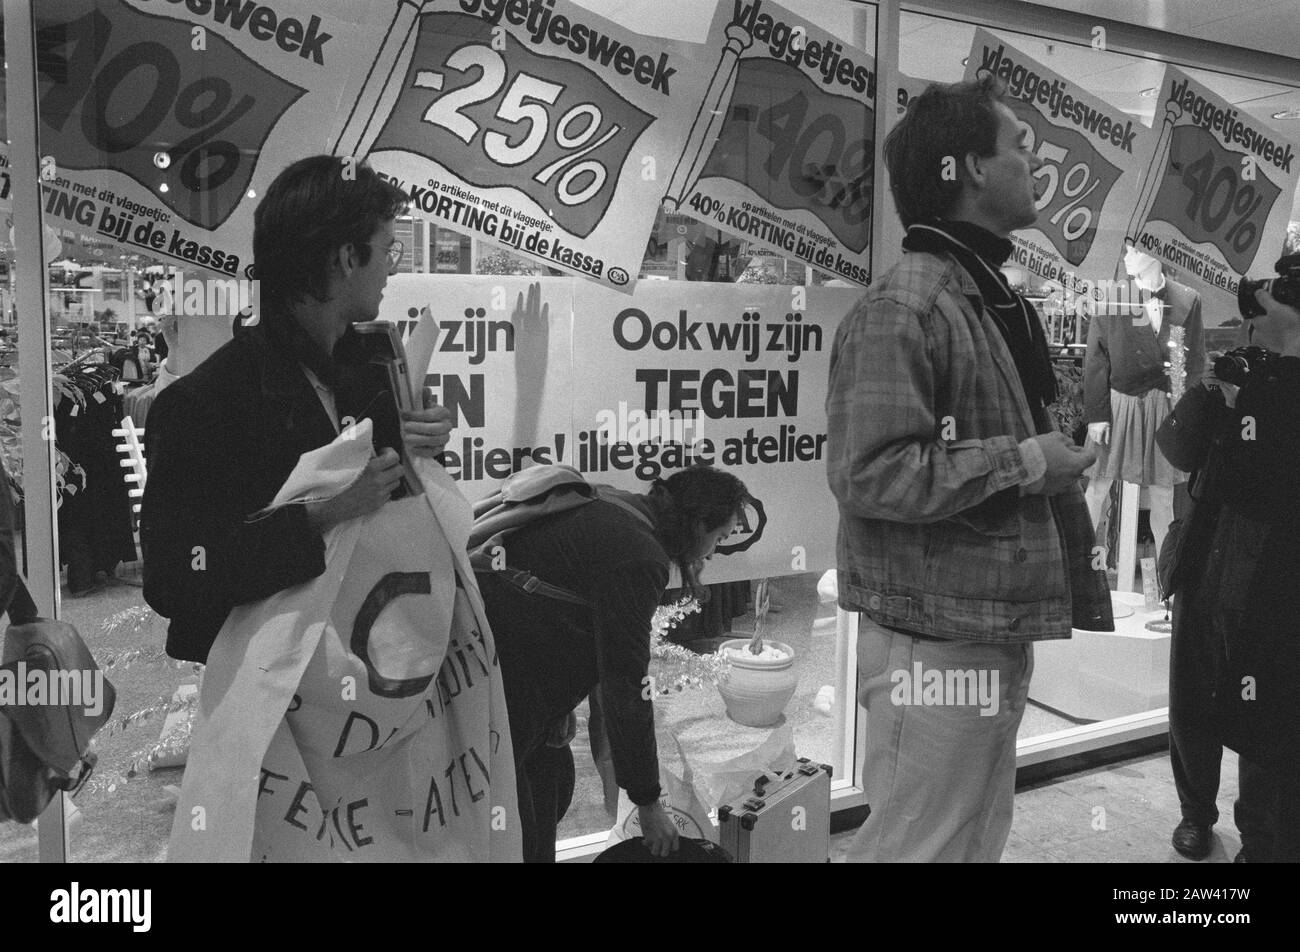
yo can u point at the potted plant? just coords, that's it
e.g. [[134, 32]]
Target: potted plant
[[762, 678]]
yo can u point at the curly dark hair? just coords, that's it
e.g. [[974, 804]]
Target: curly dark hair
[[310, 211], [954, 120], [701, 494]]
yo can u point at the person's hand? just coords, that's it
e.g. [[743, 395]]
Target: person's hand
[[1211, 382], [658, 832], [369, 493], [1065, 462], [1099, 432], [425, 432]]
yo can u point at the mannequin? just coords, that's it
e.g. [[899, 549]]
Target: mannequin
[[1126, 388]]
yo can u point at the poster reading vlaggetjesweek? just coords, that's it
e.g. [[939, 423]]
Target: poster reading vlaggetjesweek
[[685, 374], [541, 127], [1216, 198], [1091, 153], [162, 122], [792, 110], [501, 363]]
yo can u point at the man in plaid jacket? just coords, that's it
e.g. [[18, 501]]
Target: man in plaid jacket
[[964, 536]]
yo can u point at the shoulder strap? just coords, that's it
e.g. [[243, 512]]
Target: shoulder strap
[[611, 495], [530, 584], [22, 609]]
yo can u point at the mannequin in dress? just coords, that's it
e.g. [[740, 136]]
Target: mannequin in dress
[[1126, 388]]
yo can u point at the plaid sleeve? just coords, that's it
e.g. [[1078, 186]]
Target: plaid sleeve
[[885, 459]]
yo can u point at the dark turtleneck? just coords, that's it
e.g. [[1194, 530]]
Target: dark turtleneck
[[982, 253]]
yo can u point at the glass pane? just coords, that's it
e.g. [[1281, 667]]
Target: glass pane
[[1097, 677]]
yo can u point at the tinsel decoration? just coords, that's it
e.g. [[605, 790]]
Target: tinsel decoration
[[673, 668], [175, 741], [1177, 362], [136, 622]]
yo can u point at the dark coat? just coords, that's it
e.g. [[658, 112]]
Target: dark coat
[[220, 443], [1130, 357], [1239, 557], [554, 653]]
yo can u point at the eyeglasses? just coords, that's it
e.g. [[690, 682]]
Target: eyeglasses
[[393, 253]]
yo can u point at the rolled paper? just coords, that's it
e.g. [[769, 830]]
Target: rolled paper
[[1155, 173], [365, 118], [708, 121]]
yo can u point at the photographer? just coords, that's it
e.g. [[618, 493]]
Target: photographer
[[1235, 669]]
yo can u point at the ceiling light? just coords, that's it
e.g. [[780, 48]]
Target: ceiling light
[[1287, 114]]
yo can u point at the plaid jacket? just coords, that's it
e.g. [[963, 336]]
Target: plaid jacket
[[925, 416]]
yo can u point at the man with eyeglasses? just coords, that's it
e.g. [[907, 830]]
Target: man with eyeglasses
[[222, 439]]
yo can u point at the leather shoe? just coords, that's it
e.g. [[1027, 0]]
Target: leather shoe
[[1193, 840]]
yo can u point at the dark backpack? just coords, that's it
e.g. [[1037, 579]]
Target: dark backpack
[[525, 498]]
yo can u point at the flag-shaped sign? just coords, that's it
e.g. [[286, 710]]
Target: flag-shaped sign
[[458, 83], [1215, 198], [787, 125], [1076, 194], [1089, 153], [119, 86], [1202, 194], [799, 147]]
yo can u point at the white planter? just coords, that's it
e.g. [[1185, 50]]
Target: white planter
[[756, 690]]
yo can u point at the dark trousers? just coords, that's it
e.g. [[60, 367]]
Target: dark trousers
[[1267, 812], [545, 784], [1195, 749], [544, 775]]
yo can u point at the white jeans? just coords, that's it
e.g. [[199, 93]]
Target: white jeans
[[940, 767]]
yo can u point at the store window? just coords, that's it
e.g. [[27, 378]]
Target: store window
[[793, 265], [1207, 226]]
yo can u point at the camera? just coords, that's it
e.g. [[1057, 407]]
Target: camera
[[1285, 288], [1238, 366]]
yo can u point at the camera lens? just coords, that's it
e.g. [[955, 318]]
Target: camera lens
[[1232, 368], [1246, 302]]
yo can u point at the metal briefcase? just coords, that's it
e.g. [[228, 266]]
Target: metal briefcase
[[786, 819]]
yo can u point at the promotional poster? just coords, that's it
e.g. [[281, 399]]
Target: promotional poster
[[1091, 170], [792, 110], [1216, 199], [545, 129], [160, 125]]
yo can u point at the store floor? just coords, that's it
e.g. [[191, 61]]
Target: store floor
[[1123, 813]]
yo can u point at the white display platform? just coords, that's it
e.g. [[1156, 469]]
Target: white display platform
[[1099, 675]]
